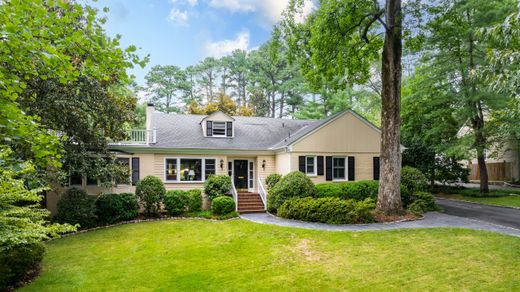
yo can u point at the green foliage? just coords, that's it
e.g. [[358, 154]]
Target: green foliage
[[413, 180], [22, 220], [217, 185], [17, 262], [178, 202], [334, 190], [294, 184], [328, 210], [166, 84], [75, 206], [223, 205], [150, 191], [175, 202], [422, 202], [272, 179], [194, 200], [113, 208], [360, 190]]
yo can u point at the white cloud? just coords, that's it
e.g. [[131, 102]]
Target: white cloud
[[225, 47], [270, 11], [178, 17], [191, 3]]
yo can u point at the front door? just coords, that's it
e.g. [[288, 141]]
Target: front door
[[240, 175]]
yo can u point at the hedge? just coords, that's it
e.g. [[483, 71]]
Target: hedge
[[294, 184], [150, 191], [272, 179], [113, 208], [17, 262], [217, 185], [76, 207], [422, 202], [328, 210]]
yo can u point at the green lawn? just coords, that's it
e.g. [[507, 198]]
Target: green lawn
[[236, 255], [511, 201]]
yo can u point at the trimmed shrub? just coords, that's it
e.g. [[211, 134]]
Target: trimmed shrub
[[150, 191], [76, 207], [217, 185], [329, 190], [294, 184], [113, 208], [413, 180], [422, 202], [175, 202], [17, 262], [223, 205], [272, 180], [360, 190], [328, 210], [194, 200]]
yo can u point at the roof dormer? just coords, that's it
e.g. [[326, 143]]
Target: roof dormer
[[219, 125]]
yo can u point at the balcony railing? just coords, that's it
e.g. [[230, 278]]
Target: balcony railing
[[139, 137]]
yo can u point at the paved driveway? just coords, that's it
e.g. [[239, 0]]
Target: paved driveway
[[497, 215]]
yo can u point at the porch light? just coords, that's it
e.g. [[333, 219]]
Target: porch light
[[263, 164], [221, 163]]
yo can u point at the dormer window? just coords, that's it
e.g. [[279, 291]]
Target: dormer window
[[218, 125], [219, 129]]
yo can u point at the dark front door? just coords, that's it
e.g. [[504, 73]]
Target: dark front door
[[240, 172]]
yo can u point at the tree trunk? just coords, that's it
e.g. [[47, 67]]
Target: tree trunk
[[282, 101], [480, 142], [389, 197]]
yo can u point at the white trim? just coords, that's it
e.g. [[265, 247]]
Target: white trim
[[178, 169]]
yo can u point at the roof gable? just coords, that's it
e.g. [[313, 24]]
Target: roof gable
[[218, 116]]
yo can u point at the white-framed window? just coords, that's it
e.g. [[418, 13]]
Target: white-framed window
[[339, 169], [219, 129], [310, 165], [126, 162], [188, 169]]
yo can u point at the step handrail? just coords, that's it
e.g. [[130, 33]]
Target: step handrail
[[234, 194], [262, 192]]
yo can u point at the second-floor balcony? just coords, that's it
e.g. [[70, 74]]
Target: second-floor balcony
[[139, 137]]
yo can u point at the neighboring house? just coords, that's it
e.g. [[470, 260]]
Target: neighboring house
[[183, 150], [502, 161]]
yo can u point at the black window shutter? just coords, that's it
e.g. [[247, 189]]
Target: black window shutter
[[135, 170], [229, 126], [351, 168], [301, 163], [376, 168], [328, 166], [209, 128], [320, 165]]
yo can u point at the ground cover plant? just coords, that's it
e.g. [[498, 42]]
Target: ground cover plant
[[241, 255]]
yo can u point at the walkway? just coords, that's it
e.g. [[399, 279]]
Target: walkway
[[492, 214], [431, 220]]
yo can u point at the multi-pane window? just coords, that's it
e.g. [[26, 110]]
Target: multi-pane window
[[251, 174], [171, 169], [191, 169], [209, 167], [219, 128], [75, 179], [338, 168], [310, 165]]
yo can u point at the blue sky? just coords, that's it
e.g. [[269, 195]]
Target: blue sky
[[182, 32]]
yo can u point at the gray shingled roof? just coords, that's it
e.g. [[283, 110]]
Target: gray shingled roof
[[251, 133]]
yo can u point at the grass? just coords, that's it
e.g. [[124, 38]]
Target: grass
[[509, 201], [187, 255]]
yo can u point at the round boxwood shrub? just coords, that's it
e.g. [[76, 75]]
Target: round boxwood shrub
[[175, 202], [360, 190], [272, 180], [328, 210], [17, 262], [294, 184], [329, 190], [422, 202], [217, 185], [113, 208], [413, 180], [150, 191], [76, 207], [223, 205], [194, 200]]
